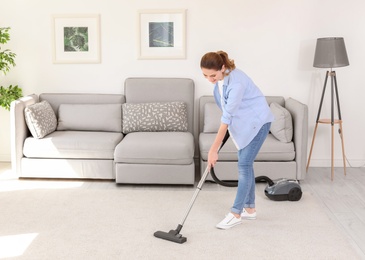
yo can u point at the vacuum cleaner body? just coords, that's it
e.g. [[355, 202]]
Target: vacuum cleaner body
[[284, 189]]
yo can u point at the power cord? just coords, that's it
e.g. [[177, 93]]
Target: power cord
[[348, 162]]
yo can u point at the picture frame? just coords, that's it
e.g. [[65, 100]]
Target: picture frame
[[76, 38], [162, 34]]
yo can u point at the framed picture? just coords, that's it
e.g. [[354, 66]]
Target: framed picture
[[162, 34], [76, 39]]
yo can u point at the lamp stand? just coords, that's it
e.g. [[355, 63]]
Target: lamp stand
[[331, 121]]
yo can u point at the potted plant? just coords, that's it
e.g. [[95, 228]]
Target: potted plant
[[7, 94]]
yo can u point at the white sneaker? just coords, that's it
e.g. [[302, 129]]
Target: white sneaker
[[229, 221], [246, 215]]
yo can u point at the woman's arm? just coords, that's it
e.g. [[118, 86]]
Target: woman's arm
[[213, 152]]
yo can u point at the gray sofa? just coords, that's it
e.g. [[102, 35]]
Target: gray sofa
[[132, 138], [97, 136], [276, 159]]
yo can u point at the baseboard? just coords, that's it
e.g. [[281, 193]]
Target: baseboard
[[5, 157], [337, 163]]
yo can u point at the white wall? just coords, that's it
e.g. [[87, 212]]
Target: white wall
[[273, 41]]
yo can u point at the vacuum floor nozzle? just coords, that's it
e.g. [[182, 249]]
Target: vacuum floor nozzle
[[173, 235]]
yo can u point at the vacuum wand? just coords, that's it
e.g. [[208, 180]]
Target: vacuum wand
[[174, 234]]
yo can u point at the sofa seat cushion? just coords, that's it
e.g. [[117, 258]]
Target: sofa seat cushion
[[73, 144], [156, 148], [271, 150]]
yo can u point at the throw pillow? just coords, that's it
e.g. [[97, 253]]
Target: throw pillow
[[282, 127], [41, 119], [155, 117], [90, 117]]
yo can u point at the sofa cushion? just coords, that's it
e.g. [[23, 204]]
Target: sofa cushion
[[90, 117], [56, 99], [41, 119], [212, 118], [271, 150], [73, 144], [282, 126], [155, 117], [156, 148]]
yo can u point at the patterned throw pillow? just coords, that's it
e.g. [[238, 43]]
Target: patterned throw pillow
[[41, 119], [282, 127], [155, 117]]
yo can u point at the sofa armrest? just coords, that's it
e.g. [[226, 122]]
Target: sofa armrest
[[18, 129], [299, 114]]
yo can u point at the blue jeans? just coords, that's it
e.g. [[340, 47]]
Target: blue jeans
[[245, 197]]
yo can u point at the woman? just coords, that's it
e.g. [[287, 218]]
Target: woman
[[247, 117]]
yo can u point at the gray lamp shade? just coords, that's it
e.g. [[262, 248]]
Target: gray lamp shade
[[330, 53]]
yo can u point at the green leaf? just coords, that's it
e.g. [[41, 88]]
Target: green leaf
[[9, 94], [4, 35], [7, 58]]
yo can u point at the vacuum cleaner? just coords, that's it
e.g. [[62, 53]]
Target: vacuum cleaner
[[282, 189]]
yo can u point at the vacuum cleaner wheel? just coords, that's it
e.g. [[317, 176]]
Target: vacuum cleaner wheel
[[294, 194]]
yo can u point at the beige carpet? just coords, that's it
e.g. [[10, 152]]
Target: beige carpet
[[119, 224]]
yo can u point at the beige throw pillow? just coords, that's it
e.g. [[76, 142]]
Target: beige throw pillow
[[282, 127]]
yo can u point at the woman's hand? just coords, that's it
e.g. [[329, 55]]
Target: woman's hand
[[212, 158], [213, 152]]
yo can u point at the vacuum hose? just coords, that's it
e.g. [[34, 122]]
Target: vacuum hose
[[215, 178], [235, 183], [220, 182]]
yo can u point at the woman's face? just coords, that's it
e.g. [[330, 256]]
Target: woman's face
[[213, 75]]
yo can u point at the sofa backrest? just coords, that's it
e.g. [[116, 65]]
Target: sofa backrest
[[56, 99], [86, 111], [150, 90]]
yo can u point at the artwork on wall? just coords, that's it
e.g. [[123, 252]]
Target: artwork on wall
[[162, 34], [76, 38]]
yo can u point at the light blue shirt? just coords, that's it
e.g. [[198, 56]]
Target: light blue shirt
[[245, 109]]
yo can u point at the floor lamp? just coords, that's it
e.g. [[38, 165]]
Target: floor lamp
[[330, 53]]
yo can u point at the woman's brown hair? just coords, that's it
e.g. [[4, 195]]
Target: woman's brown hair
[[215, 60]]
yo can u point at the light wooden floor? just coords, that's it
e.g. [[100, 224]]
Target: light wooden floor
[[343, 199]]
